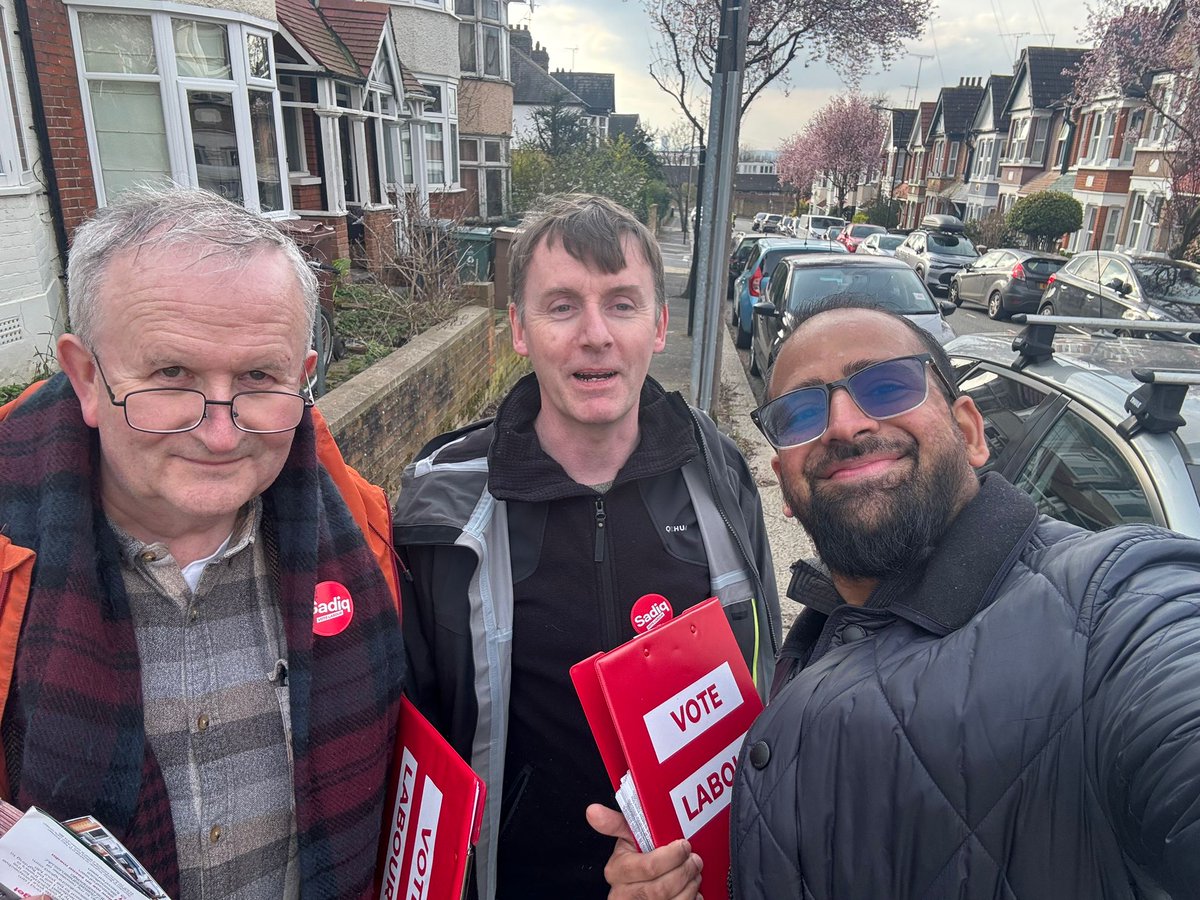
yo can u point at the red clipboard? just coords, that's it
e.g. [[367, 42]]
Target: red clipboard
[[671, 707], [436, 810]]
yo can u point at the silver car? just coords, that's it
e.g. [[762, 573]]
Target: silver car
[[1058, 426], [881, 244], [937, 250]]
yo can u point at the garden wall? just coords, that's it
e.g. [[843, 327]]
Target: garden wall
[[439, 380]]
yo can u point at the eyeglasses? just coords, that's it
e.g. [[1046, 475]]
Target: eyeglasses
[[882, 391], [175, 410]]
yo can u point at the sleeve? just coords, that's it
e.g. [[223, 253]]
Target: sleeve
[[1142, 706], [437, 637]]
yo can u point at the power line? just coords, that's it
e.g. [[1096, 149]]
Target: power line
[[936, 54], [1000, 30]]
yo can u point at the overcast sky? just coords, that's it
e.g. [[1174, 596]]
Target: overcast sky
[[964, 38]]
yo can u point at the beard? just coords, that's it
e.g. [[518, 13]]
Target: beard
[[874, 530]]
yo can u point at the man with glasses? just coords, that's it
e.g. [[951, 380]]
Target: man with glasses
[[977, 701], [189, 517]]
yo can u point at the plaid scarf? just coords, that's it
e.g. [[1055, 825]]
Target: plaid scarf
[[72, 729]]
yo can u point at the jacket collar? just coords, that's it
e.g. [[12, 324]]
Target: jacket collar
[[519, 469], [961, 575]]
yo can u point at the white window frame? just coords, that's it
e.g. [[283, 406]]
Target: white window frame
[[939, 148], [482, 25], [1129, 145], [1037, 145], [173, 90], [14, 160], [447, 117], [1112, 225], [1093, 147], [1110, 132], [952, 158]]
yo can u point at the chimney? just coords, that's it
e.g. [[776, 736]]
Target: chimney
[[519, 38], [541, 58]]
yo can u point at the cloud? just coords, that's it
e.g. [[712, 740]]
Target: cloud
[[963, 40]]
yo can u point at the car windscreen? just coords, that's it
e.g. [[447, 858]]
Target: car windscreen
[[950, 245], [1042, 267], [1165, 281], [861, 231], [897, 289], [890, 241], [818, 223], [773, 218]]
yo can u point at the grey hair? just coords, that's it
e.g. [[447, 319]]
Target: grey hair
[[158, 217], [592, 230]]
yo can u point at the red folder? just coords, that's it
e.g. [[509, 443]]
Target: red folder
[[671, 707], [436, 803]]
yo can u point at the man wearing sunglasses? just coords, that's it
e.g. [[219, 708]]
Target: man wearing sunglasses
[[977, 701], [172, 510]]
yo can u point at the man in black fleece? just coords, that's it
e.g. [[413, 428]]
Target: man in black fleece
[[529, 538]]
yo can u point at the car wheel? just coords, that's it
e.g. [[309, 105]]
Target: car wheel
[[742, 338], [1046, 309], [995, 307], [954, 295]]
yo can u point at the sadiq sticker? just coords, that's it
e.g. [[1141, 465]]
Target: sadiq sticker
[[332, 609]]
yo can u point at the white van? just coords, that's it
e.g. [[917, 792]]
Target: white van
[[816, 226]]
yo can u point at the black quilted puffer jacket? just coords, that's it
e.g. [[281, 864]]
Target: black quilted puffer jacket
[[1018, 718]]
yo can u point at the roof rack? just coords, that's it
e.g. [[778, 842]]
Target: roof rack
[[1155, 406], [1036, 342]]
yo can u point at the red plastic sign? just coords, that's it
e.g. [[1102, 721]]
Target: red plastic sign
[[650, 610], [332, 609]]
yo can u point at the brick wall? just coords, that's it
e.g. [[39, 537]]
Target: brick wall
[[55, 62], [379, 240], [1103, 181], [438, 381]]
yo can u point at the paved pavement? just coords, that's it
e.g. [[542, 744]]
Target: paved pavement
[[673, 368]]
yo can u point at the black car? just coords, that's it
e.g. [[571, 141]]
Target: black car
[[797, 282], [1104, 284], [743, 251], [1006, 281]]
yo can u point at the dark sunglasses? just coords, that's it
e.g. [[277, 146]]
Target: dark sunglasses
[[882, 391]]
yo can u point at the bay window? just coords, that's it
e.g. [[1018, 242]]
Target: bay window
[[14, 163], [184, 99]]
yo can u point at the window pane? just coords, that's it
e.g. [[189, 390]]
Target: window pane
[[121, 44], [468, 149], [495, 192], [214, 142], [406, 158], [1006, 406], [391, 147], [466, 47], [293, 133], [202, 49], [131, 136], [491, 10], [491, 51], [435, 159], [464, 7], [266, 151], [491, 151], [1077, 475], [436, 92], [258, 56], [453, 155]]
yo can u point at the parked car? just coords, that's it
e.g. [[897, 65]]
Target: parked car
[[756, 224], [787, 225], [756, 277], [770, 225], [743, 248], [937, 250], [1105, 284], [1057, 426], [1005, 281], [817, 226], [854, 234], [799, 281], [833, 232], [881, 244]]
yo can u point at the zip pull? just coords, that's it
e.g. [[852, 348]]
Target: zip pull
[[601, 515]]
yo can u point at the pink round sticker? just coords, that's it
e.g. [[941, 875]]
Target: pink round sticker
[[332, 609], [650, 610]]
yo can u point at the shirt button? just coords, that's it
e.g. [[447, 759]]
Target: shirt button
[[853, 633], [760, 754], [202, 722], [214, 834], [149, 556], [193, 614]]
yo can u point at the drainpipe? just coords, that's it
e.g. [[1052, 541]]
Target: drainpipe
[[25, 30]]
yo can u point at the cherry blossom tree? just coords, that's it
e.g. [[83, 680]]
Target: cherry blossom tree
[[848, 35], [1151, 51], [841, 141]]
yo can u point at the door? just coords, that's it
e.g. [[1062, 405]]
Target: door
[[1078, 294]]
